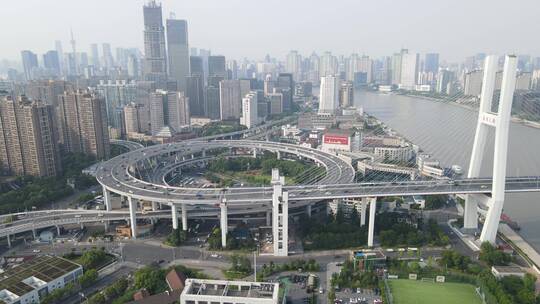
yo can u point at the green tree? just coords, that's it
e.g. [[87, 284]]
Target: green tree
[[151, 278], [493, 257], [88, 278]]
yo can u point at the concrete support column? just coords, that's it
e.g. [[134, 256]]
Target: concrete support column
[[107, 199], [106, 226], [254, 153], [308, 210], [192, 156], [174, 211], [364, 205], [278, 154], [470, 216], [34, 233], [280, 215], [371, 228], [224, 223], [203, 153], [184, 217], [57, 230], [82, 226], [154, 206], [9, 241], [268, 218], [132, 217]]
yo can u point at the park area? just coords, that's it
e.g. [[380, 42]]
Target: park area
[[420, 292]]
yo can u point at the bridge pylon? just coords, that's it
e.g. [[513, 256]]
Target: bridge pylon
[[500, 121]]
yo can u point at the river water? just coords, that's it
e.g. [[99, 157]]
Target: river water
[[447, 131]]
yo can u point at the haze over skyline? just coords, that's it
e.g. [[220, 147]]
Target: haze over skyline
[[252, 29]]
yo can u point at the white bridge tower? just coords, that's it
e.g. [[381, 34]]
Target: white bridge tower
[[500, 121]]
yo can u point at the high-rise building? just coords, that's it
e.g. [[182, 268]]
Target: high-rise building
[[155, 55], [51, 62], [444, 80], [216, 66], [431, 63], [94, 53], [178, 51], [249, 110], [28, 143], [409, 71], [293, 65], [276, 103], [328, 65], [195, 94], [473, 83], [30, 64], [329, 94], [346, 94], [213, 110], [136, 118], [59, 50], [47, 91], [396, 66], [196, 65], [116, 94], [285, 85], [158, 108], [178, 110], [108, 59], [230, 97], [83, 116]]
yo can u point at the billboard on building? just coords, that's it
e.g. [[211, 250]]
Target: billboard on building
[[336, 139]]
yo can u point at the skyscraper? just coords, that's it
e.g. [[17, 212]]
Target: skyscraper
[[409, 71], [178, 51], [28, 143], [30, 63], [155, 60], [83, 116], [329, 94]]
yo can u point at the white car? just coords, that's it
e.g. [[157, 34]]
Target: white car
[[36, 251]]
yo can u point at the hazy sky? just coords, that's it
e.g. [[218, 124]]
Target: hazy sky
[[253, 28]]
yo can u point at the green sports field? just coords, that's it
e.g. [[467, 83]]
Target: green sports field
[[418, 292]]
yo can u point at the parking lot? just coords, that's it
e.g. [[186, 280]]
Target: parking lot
[[359, 296]]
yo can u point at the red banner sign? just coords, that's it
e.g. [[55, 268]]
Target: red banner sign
[[333, 139]]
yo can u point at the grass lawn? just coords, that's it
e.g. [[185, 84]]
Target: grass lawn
[[418, 292]]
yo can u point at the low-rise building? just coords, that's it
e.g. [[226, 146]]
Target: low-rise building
[[504, 271], [199, 291], [394, 154], [32, 280]]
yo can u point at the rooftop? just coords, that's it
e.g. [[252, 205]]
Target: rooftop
[[231, 289], [33, 273]]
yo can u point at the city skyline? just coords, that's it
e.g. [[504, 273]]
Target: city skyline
[[366, 28]]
